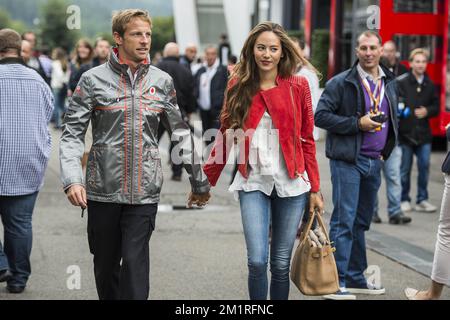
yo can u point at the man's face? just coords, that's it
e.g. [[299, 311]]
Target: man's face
[[135, 44], [102, 49], [31, 38], [26, 51], [419, 64], [369, 51], [191, 52], [210, 56], [389, 52]]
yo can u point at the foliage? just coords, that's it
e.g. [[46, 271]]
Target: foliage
[[7, 22], [320, 44], [53, 26], [163, 31]]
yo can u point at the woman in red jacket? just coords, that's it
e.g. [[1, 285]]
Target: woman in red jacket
[[268, 116]]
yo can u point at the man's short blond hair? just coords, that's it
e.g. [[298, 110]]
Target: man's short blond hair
[[123, 17], [417, 51]]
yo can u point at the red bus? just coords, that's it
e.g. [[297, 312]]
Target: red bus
[[409, 23]]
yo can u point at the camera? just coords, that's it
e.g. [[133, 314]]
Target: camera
[[379, 117]]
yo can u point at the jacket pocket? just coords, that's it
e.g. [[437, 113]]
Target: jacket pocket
[[105, 170], [152, 171]]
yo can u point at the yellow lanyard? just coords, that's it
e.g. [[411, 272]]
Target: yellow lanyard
[[374, 101]]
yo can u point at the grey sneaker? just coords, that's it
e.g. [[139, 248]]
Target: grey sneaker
[[425, 206], [406, 206]]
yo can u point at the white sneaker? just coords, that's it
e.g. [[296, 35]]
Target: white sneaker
[[425, 206], [406, 206], [342, 294]]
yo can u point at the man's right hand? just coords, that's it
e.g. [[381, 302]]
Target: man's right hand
[[366, 124], [77, 196]]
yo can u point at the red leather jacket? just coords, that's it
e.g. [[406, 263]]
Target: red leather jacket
[[289, 105]]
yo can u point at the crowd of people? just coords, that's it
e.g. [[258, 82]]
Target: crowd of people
[[113, 104]]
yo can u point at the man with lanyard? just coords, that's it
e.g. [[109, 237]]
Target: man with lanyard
[[358, 109]]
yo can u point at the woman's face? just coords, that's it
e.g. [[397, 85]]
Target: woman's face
[[267, 51], [83, 51]]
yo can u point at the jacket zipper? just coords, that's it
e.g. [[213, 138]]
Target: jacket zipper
[[390, 113], [295, 131], [132, 138]]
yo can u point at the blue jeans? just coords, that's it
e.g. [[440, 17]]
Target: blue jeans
[[391, 169], [58, 111], [259, 210], [16, 213], [423, 154], [355, 188]]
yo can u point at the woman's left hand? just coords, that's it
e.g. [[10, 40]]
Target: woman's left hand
[[316, 203]]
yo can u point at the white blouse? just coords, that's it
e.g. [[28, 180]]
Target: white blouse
[[267, 166]]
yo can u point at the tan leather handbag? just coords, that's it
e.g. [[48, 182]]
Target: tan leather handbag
[[313, 268]]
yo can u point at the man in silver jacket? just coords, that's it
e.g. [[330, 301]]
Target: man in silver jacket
[[125, 99]]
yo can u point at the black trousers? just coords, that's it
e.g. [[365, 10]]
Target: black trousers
[[177, 169], [210, 120], [119, 238]]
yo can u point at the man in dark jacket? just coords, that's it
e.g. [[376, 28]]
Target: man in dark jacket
[[184, 85], [188, 58], [210, 84], [357, 142], [390, 59], [419, 102]]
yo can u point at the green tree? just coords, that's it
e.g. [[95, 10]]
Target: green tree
[[319, 56], [7, 22], [53, 27], [163, 31]]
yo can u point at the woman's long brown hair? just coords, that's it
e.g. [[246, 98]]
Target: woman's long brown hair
[[77, 59], [246, 74]]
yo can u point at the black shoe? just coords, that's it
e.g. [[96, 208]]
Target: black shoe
[[15, 289], [176, 178], [5, 275], [399, 218], [376, 219]]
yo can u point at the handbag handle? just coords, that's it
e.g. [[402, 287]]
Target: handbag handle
[[311, 218], [308, 227]]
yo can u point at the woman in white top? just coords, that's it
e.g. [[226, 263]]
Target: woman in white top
[[311, 74], [60, 79], [269, 110]]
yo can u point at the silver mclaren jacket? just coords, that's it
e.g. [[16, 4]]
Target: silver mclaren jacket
[[124, 164]]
